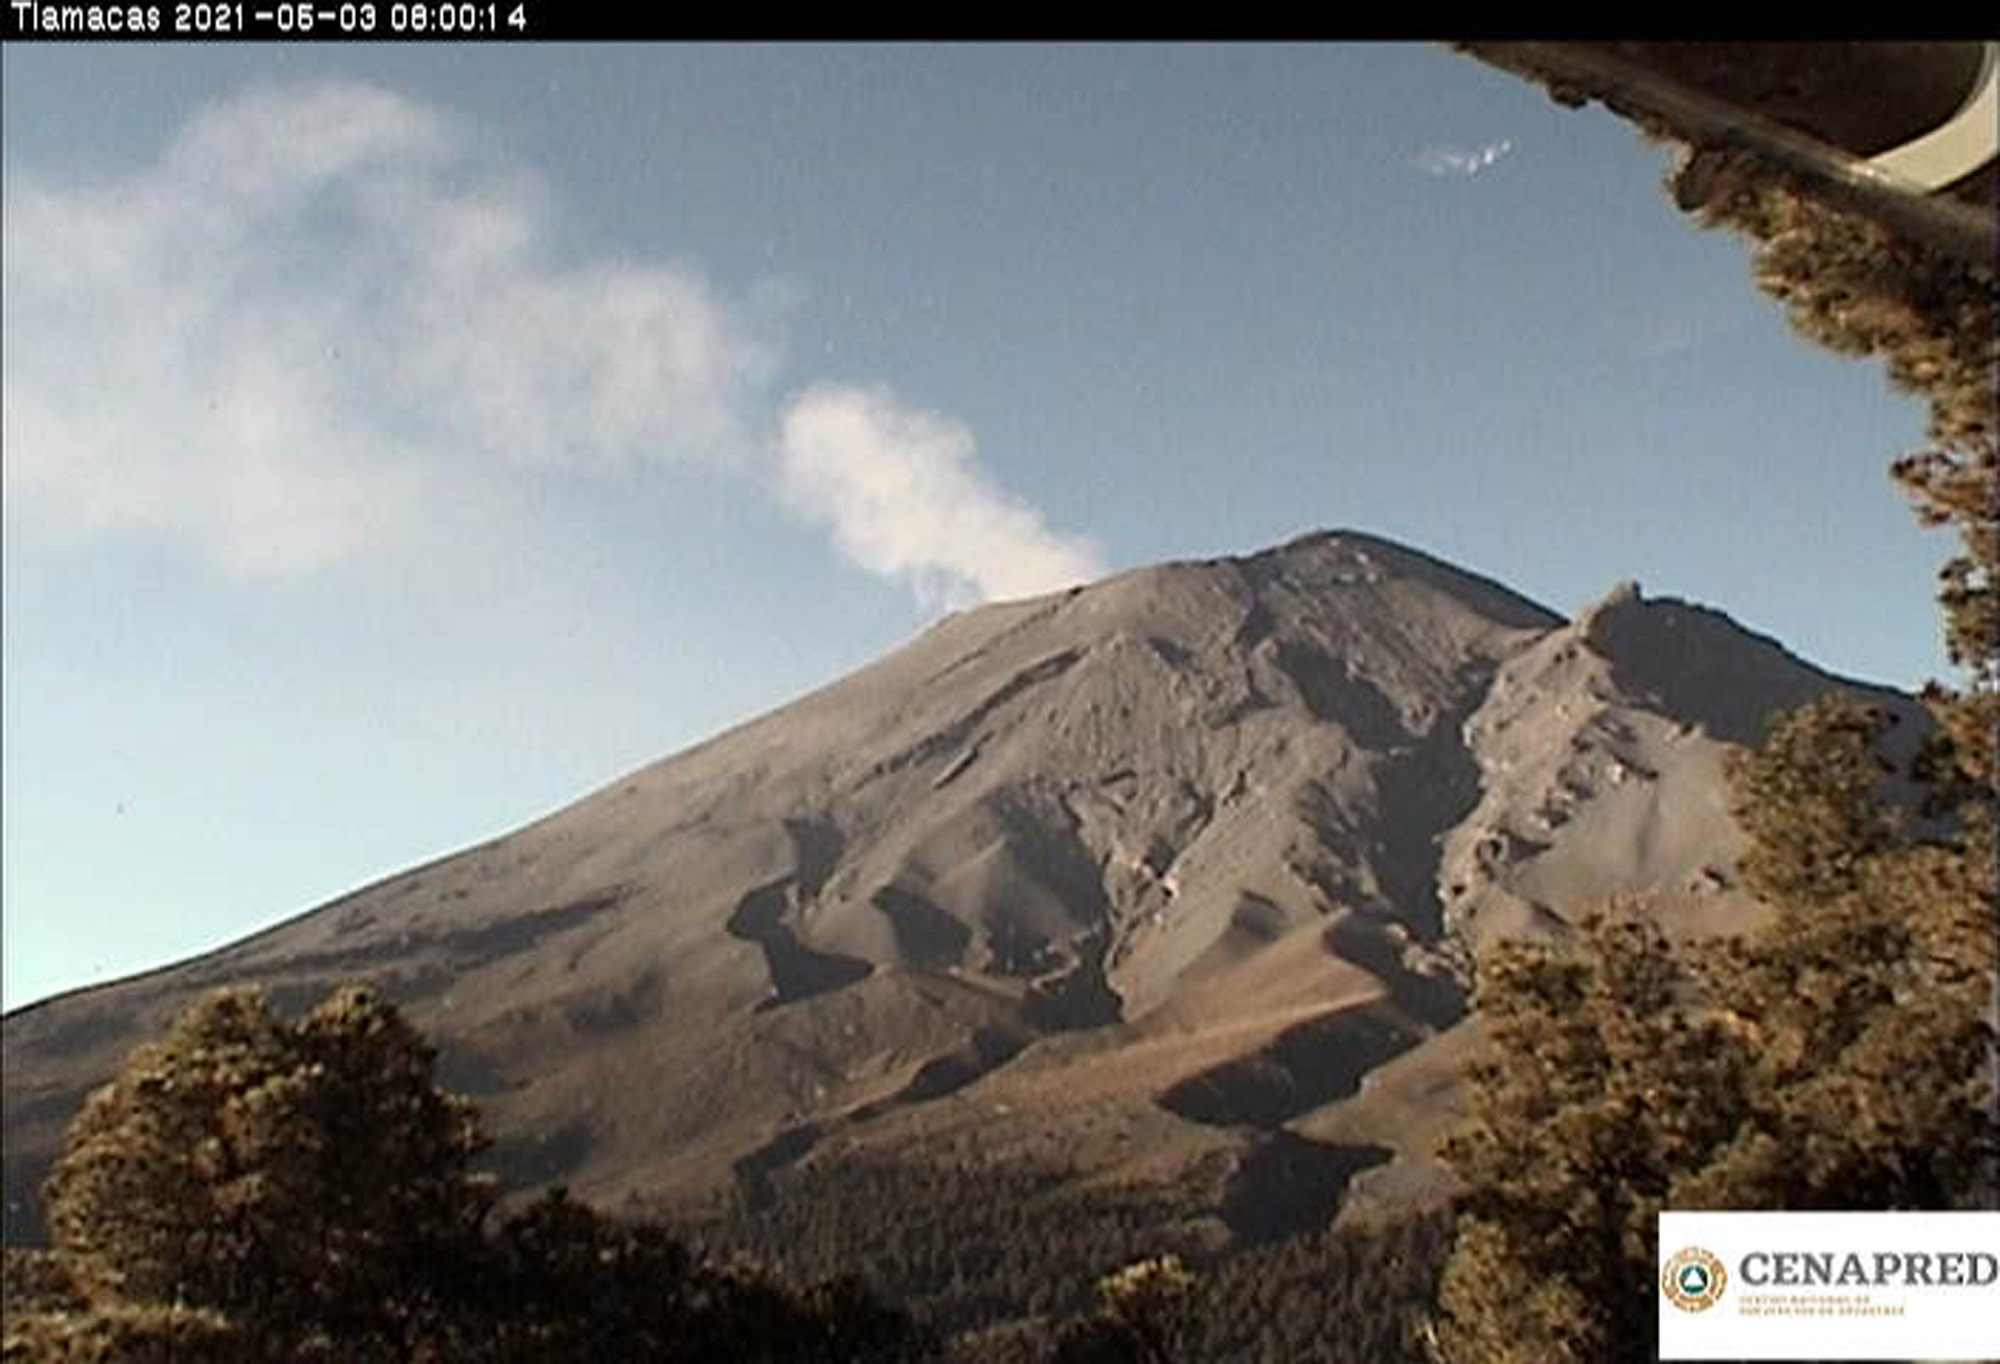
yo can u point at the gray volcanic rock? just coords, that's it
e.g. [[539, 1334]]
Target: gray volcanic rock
[[1169, 869]]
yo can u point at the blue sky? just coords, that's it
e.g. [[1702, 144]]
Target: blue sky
[[401, 442]]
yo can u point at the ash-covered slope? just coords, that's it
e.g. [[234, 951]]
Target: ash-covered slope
[[1144, 873]]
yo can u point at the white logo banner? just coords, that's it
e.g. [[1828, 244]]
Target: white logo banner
[[1829, 1285]]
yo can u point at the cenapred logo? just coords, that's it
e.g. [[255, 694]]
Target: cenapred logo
[[1693, 1279], [1829, 1285]]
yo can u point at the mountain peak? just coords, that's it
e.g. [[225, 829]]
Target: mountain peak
[[1326, 572], [1138, 867]]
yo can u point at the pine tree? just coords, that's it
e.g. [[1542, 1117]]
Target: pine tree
[[1837, 1058], [1143, 1317], [1867, 998], [1600, 1087], [307, 1174], [1854, 1036], [249, 1189]]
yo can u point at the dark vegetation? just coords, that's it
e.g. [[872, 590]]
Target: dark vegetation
[[1844, 1056], [251, 1189], [1331, 1297], [254, 1189], [963, 1246], [1007, 1263]]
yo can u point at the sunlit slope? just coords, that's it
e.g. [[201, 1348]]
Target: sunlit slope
[[1179, 867]]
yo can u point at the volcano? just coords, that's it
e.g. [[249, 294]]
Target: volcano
[[1173, 875]]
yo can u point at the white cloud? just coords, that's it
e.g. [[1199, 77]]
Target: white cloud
[[325, 321], [906, 499], [320, 314], [1448, 160]]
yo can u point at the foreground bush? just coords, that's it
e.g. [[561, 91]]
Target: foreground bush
[[252, 1189], [127, 1333]]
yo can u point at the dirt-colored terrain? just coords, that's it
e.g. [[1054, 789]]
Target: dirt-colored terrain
[[1170, 871]]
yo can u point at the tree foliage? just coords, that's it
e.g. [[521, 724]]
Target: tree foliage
[[305, 1172], [252, 1189], [1853, 286], [1008, 1259], [1600, 1087], [1144, 1316], [129, 1333], [1843, 1056]]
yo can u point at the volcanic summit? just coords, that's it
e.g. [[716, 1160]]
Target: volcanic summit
[[1177, 872]]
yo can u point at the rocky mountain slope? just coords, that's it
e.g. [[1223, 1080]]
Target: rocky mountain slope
[[1169, 878]]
